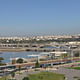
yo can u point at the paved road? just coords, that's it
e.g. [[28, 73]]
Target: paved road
[[19, 76], [69, 73], [24, 74]]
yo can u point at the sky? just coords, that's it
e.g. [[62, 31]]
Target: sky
[[39, 17]]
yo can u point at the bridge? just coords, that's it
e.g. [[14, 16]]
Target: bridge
[[47, 62], [38, 47], [18, 45]]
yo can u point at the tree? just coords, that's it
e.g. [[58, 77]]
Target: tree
[[1, 59], [20, 60], [64, 55], [37, 64], [76, 54], [26, 78], [1, 63], [12, 75], [19, 69]]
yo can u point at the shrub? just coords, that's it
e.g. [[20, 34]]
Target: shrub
[[25, 78], [13, 74], [20, 60], [37, 64]]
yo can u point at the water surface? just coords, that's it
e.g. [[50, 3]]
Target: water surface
[[8, 55]]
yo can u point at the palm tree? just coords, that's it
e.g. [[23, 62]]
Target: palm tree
[[37, 64], [12, 75], [19, 69]]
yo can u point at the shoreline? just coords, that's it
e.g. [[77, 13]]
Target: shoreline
[[25, 49], [12, 50]]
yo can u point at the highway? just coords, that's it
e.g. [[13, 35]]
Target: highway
[[47, 62]]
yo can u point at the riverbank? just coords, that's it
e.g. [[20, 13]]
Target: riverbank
[[12, 49], [26, 49]]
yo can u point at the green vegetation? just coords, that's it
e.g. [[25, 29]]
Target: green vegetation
[[19, 68], [77, 61], [3, 78], [42, 59], [1, 63], [12, 75], [64, 55], [76, 78], [77, 68], [59, 40], [78, 64], [37, 64], [41, 76], [77, 54], [46, 76], [20, 60], [25, 78]]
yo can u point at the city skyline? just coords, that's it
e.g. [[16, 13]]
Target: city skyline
[[44, 17]]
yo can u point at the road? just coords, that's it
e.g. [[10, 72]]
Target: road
[[69, 73]]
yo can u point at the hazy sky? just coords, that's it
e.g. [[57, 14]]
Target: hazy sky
[[39, 17]]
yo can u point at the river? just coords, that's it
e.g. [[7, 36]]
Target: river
[[8, 55]]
